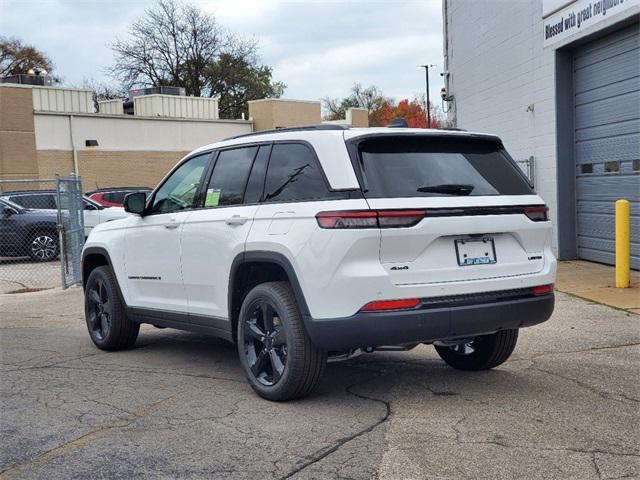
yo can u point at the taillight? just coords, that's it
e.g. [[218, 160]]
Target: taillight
[[356, 219], [543, 289], [381, 305], [537, 213], [399, 218], [370, 219]]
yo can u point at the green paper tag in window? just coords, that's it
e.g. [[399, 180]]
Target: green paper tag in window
[[213, 198]]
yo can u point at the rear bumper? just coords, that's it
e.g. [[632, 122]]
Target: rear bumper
[[441, 321]]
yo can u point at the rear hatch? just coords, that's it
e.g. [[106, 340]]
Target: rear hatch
[[469, 212]]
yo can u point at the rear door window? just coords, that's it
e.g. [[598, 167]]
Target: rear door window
[[294, 175], [438, 166]]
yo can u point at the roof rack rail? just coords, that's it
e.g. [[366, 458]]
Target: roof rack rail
[[292, 129], [454, 129]]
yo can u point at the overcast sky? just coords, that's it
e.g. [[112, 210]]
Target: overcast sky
[[318, 48]]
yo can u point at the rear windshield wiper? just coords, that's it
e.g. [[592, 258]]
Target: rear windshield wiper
[[448, 188]]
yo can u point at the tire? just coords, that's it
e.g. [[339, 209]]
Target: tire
[[43, 246], [107, 322], [277, 356], [482, 353]]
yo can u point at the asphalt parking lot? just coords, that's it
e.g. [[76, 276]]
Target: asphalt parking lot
[[18, 274], [177, 406]]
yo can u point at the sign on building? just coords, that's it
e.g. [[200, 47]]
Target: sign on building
[[563, 19]]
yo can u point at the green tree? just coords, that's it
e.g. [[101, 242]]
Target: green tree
[[235, 80]]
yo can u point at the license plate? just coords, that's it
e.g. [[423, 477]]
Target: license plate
[[475, 251]]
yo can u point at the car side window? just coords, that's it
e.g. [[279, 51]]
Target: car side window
[[229, 178], [293, 175], [179, 190], [42, 201]]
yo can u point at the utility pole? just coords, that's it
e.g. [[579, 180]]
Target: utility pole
[[426, 71]]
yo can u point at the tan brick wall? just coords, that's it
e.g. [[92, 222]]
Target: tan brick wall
[[16, 109], [99, 168], [54, 162], [115, 169], [279, 113], [17, 138]]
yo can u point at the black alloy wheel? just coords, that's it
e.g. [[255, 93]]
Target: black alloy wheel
[[480, 353], [276, 354], [265, 342], [100, 310], [105, 313]]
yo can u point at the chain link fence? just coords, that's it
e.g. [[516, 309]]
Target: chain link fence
[[41, 233], [528, 166]]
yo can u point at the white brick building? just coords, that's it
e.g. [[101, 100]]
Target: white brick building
[[559, 81]]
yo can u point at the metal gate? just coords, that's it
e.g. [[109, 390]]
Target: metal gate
[[70, 228], [607, 141], [41, 233]]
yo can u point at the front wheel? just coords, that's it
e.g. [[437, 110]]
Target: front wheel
[[482, 352], [107, 322], [278, 358]]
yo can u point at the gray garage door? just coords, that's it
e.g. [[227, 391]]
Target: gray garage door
[[607, 136]]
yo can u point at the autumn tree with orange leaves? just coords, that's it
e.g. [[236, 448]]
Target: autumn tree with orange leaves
[[412, 111]]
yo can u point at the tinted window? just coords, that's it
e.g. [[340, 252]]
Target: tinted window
[[293, 174], [229, 178], [178, 191], [40, 200], [418, 167], [114, 197], [255, 184]]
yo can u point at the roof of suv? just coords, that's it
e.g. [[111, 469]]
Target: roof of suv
[[329, 143]]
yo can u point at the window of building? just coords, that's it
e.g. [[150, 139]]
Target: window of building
[[586, 168], [612, 166]]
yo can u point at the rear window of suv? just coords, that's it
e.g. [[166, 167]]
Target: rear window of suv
[[396, 166]]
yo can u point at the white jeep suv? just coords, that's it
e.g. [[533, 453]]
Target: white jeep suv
[[305, 244]]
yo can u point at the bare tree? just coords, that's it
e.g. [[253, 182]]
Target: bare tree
[[103, 91], [177, 44], [17, 57], [170, 45], [371, 98]]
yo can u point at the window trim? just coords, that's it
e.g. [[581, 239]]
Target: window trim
[[152, 196]]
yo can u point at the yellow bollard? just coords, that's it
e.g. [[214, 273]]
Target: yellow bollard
[[623, 243]]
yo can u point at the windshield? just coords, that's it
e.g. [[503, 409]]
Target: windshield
[[9, 203], [396, 166]]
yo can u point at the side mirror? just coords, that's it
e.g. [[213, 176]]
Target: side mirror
[[8, 211], [135, 202]]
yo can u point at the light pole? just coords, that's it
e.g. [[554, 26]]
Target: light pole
[[426, 71]]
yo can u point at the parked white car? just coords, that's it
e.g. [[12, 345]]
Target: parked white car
[[305, 244], [94, 213]]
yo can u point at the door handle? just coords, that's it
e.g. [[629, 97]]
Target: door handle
[[236, 220], [171, 225]]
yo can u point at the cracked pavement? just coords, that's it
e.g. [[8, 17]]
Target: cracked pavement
[[566, 405]]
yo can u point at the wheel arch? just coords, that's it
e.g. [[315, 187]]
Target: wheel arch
[[92, 258], [249, 269]]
